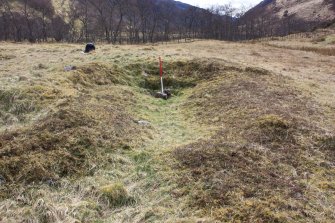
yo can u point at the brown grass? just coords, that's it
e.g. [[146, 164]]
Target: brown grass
[[6, 57], [327, 51], [254, 169], [65, 142], [71, 136]]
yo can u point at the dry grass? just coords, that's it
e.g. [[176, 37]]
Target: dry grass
[[329, 51], [257, 166], [321, 44], [6, 57], [247, 137]]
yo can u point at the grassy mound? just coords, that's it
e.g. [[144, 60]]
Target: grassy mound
[[258, 166], [47, 151], [16, 105], [65, 142], [100, 74], [65, 134]]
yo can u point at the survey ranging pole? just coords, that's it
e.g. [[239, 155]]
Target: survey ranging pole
[[161, 73], [165, 94]]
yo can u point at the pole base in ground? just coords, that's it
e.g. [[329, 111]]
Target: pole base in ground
[[165, 95], [161, 95]]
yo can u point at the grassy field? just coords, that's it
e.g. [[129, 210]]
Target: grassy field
[[248, 136]]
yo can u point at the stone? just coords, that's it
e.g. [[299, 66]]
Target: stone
[[69, 68], [143, 123], [2, 180]]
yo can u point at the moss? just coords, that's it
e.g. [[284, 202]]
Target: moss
[[115, 194], [141, 157]]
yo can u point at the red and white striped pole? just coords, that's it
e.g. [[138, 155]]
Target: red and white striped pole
[[161, 73]]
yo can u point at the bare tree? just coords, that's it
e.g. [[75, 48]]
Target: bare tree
[[46, 11]]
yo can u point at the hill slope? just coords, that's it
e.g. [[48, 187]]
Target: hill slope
[[290, 16]]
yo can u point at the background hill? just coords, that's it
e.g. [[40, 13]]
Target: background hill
[[178, 4], [282, 17]]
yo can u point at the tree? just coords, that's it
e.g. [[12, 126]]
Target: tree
[[46, 11], [60, 29]]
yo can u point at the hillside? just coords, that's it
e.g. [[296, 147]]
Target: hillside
[[322, 11], [178, 4], [292, 16], [284, 17]]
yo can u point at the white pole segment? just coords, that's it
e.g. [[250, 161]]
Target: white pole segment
[[162, 85]]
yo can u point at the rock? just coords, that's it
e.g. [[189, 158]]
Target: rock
[[216, 119], [207, 96], [22, 78], [326, 165], [143, 123], [51, 182], [294, 173], [298, 195], [11, 120], [69, 68], [2, 180]]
